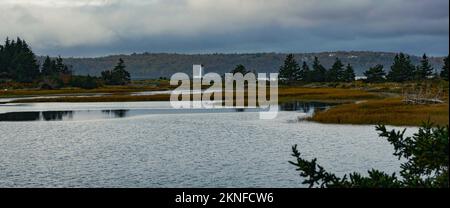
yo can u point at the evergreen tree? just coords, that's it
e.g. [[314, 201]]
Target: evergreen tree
[[444, 72], [424, 69], [349, 74], [48, 67], [3, 71], [290, 71], [240, 69], [336, 73], [319, 73], [54, 68], [4, 53], [402, 69], [60, 67], [375, 74], [18, 62], [117, 76], [306, 72], [424, 155]]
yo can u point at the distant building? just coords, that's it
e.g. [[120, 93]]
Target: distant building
[[197, 71], [360, 78]]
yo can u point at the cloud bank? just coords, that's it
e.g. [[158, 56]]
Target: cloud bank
[[100, 27]]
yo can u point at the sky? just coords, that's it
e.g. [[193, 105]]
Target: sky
[[88, 28]]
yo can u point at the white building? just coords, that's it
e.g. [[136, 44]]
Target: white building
[[197, 71]]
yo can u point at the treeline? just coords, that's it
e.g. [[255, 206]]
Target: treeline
[[291, 71], [18, 64], [402, 70]]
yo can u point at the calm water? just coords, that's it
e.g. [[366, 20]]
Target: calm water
[[146, 144]]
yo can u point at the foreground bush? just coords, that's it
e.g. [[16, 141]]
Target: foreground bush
[[426, 154]]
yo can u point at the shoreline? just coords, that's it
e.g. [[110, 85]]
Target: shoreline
[[354, 105]]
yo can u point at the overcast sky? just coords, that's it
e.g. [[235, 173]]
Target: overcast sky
[[102, 27]]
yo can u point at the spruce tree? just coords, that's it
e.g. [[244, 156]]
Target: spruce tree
[[319, 73], [444, 72], [240, 69], [306, 72], [61, 68], [424, 157], [18, 62], [290, 71], [47, 67], [336, 73], [402, 69], [117, 76], [375, 74], [349, 74], [27, 67], [424, 69], [3, 71]]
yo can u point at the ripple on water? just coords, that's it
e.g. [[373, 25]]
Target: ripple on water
[[225, 149]]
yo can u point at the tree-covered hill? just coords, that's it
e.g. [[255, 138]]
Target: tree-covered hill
[[154, 65]]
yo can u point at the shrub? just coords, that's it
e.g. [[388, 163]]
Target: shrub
[[426, 166]]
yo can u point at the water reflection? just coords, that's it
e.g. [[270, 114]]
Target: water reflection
[[36, 116], [56, 115], [62, 115], [116, 113], [78, 115], [304, 107], [20, 116]]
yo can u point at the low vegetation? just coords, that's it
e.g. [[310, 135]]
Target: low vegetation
[[392, 111], [109, 98], [334, 95], [77, 91]]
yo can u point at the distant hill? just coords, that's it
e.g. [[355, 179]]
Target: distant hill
[[153, 65]]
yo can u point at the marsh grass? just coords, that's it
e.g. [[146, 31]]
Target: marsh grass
[[109, 89], [389, 111], [339, 95], [359, 105]]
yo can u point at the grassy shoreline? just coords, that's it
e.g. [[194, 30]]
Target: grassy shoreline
[[389, 111], [359, 104]]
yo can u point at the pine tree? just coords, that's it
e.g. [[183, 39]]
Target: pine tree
[[444, 72], [3, 70], [290, 71], [336, 73], [306, 72], [424, 159], [117, 76], [349, 74], [17, 61], [375, 74], [48, 67], [319, 73], [402, 69], [424, 69], [61, 68], [240, 69]]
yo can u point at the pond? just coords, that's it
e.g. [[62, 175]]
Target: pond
[[148, 144]]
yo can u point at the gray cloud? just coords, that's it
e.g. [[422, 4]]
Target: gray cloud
[[99, 27]]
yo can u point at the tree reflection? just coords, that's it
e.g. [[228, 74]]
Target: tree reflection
[[116, 113], [36, 116]]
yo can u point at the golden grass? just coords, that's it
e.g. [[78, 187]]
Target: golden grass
[[390, 111], [109, 98], [107, 89], [377, 108], [338, 95]]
